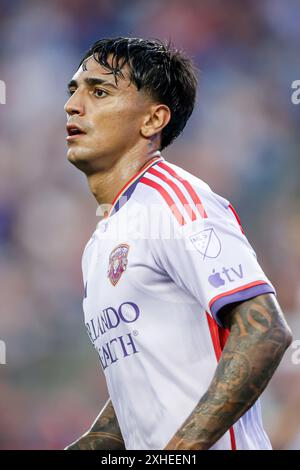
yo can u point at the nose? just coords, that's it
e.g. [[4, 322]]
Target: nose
[[74, 105]]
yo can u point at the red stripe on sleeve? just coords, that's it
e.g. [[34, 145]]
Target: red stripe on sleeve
[[233, 291], [166, 197], [188, 187], [236, 216], [176, 190]]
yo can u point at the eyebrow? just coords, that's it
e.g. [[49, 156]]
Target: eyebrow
[[90, 81]]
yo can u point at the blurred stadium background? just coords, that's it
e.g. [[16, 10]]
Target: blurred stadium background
[[243, 139]]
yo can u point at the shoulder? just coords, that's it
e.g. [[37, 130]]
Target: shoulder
[[178, 192]]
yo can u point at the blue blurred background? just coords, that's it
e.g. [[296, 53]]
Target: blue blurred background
[[243, 139]]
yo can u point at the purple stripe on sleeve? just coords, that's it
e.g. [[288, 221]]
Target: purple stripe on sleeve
[[239, 297]]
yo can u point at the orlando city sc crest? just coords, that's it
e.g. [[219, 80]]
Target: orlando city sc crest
[[117, 263]]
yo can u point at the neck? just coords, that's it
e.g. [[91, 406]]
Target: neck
[[106, 184]]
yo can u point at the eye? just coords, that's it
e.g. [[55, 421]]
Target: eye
[[99, 93], [70, 91]]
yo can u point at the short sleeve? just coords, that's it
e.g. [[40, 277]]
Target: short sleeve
[[211, 258]]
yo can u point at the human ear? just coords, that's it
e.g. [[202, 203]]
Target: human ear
[[157, 118]]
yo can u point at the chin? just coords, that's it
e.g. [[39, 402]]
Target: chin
[[85, 160], [80, 158]]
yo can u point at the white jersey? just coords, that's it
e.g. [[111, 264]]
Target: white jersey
[[156, 272]]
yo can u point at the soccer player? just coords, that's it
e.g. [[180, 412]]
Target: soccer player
[[185, 322]]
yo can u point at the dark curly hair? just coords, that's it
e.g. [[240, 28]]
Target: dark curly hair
[[162, 71]]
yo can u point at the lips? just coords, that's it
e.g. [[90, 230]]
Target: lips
[[73, 130]]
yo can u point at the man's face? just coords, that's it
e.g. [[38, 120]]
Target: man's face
[[109, 117]]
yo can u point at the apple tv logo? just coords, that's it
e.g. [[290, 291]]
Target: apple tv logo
[[216, 280], [230, 275]]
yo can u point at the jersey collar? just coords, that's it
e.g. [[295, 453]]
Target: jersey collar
[[126, 192]]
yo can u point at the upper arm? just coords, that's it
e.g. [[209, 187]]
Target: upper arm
[[258, 318]]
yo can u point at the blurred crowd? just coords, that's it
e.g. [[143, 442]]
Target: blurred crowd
[[243, 140]]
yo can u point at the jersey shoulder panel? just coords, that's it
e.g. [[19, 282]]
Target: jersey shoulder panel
[[177, 192]]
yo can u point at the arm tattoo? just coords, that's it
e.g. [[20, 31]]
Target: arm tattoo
[[258, 339], [104, 434]]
